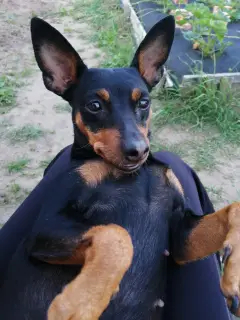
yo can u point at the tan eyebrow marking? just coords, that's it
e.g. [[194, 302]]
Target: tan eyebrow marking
[[136, 94], [103, 93]]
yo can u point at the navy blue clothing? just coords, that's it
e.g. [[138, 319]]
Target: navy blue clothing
[[193, 291]]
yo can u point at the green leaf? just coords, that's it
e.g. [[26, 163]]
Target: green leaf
[[190, 35], [182, 22]]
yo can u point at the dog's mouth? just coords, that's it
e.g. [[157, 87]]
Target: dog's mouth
[[131, 167]]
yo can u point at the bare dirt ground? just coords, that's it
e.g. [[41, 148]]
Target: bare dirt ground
[[39, 125], [217, 167]]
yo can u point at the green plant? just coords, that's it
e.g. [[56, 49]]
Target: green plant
[[235, 11], [174, 148], [25, 133], [208, 29], [14, 193], [232, 9], [7, 93], [44, 163], [206, 22], [112, 30], [203, 105], [215, 193], [165, 4], [15, 188], [17, 166], [204, 153]]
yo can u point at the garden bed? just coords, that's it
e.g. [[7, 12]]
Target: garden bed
[[184, 61]]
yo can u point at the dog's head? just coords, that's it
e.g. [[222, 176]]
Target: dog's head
[[111, 107]]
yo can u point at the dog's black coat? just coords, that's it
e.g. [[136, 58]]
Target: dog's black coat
[[144, 202], [73, 208]]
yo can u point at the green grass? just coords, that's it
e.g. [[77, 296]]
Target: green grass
[[17, 166], [201, 154], [216, 113], [26, 72], [14, 193], [16, 78], [203, 105], [173, 147], [4, 125], [216, 194], [68, 30], [8, 89], [111, 30], [207, 152], [25, 133], [44, 163], [15, 188], [7, 93], [204, 157], [62, 108]]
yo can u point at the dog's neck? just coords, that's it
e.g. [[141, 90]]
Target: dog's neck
[[81, 149]]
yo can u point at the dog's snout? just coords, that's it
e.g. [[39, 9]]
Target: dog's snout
[[136, 150]]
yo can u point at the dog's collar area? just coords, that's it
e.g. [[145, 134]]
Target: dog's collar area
[[153, 158], [83, 152]]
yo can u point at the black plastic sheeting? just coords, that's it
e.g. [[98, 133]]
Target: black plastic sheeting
[[183, 59]]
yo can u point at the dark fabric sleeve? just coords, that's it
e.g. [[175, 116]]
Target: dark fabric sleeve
[[193, 290], [20, 223], [55, 159], [195, 194]]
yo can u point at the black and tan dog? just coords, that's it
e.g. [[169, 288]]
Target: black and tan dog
[[108, 220]]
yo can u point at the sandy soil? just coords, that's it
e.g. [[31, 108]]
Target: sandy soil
[[35, 106], [218, 169], [49, 117]]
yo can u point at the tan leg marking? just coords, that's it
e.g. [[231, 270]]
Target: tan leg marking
[[214, 232], [106, 261]]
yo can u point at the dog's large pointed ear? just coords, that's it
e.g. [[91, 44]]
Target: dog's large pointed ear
[[59, 62], [153, 51]]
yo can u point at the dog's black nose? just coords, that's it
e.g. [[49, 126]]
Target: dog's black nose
[[136, 150]]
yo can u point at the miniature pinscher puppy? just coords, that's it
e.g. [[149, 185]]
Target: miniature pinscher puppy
[[97, 248]]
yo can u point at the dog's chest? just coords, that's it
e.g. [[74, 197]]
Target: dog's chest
[[141, 203], [136, 202]]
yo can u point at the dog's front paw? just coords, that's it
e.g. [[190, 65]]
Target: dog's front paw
[[230, 282], [65, 307], [107, 256], [61, 308]]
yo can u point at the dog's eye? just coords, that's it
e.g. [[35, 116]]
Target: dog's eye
[[94, 106], [143, 104]]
